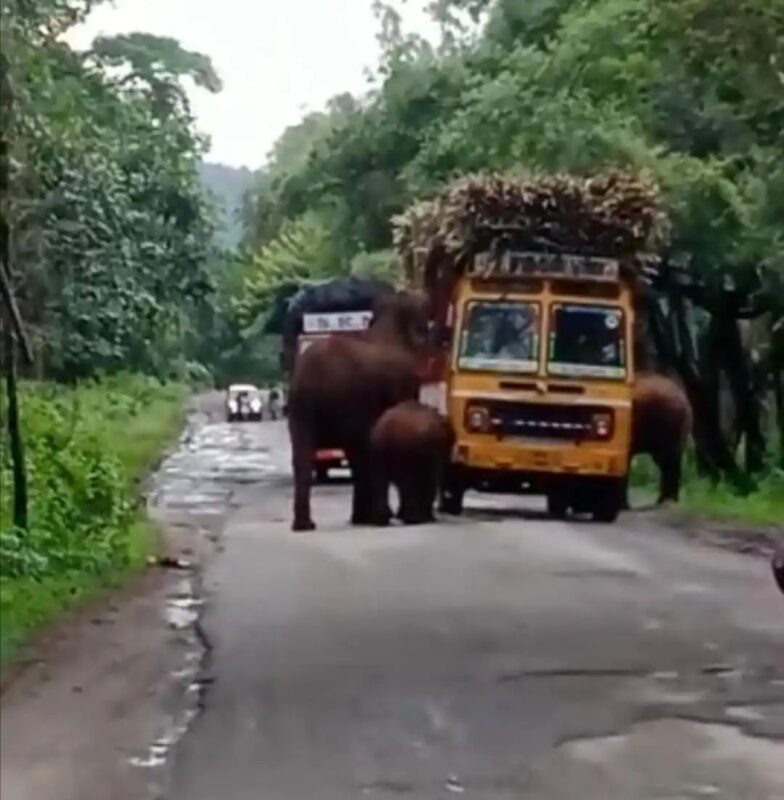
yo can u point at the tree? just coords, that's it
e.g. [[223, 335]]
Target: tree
[[689, 90], [110, 228]]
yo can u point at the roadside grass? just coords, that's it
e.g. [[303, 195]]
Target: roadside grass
[[761, 508], [88, 449]]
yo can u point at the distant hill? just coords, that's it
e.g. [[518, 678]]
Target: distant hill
[[228, 185]]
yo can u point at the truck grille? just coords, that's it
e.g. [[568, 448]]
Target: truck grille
[[539, 421]]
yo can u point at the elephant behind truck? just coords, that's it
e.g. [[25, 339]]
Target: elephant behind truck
[[661, 425], [410, 446], [341, 385]]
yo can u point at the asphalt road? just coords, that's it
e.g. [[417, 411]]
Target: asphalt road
[[501, 655], [498, 656]]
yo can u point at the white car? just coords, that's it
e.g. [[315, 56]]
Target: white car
[[244, 403]]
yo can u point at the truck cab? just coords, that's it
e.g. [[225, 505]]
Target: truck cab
[[536, 377]]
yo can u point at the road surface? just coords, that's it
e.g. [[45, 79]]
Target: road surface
[[497, 656]]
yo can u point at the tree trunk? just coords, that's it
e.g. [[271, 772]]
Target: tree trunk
[[14, 433], [778, 391], [739, 371], [676, 351]]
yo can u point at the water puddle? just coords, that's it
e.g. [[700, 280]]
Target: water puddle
[[181, 612], [211, 463]]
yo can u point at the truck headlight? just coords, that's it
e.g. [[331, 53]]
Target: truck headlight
[[233, 406], [255, 406], [601, 424], [477, 419]]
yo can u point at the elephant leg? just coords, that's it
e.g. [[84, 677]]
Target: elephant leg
[[427, 495], [670, 484], [417, 496], [406, 490], [362, 506], [382, 514], [302, 462]]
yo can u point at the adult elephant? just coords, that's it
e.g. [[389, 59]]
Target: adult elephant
[[661, 424], [340, 386]]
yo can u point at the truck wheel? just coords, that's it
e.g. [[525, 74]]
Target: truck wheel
[[452, 494], [606, 513], [558, 505]]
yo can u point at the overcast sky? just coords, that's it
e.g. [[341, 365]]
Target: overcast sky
[[276, 58]]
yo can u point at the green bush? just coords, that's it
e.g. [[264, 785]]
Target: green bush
[[764, 506], [86, 450]]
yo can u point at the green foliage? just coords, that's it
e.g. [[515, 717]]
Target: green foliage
[[689, 90], [692, 91], [764, 507], [378, 264], [155, 60], [87, 448], [300, 253], [111, 231], [227, 186]]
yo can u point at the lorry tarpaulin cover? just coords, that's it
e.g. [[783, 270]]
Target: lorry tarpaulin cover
[[339, 294]]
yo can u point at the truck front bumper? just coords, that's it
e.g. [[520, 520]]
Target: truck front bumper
[[542, 458]]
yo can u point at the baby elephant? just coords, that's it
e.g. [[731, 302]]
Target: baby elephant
[[410, 445]]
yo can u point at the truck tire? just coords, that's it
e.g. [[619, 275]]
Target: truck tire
[[558, 504], [452, 494]]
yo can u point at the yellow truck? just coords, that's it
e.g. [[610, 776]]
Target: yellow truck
[[534, 366]]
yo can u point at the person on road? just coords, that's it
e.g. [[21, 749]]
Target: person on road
[[274, 403]]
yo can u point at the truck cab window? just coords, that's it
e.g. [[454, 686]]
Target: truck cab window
[[587, 340], [500, 337]]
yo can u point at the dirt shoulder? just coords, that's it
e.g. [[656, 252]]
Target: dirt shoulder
[[91, 704], [734, 535]]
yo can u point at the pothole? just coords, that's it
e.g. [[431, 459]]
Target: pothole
[[678, 758]]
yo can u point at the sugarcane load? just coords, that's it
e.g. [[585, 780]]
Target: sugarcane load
[[531, 283]]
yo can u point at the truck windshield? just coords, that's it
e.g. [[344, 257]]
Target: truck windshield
[[587, 341], [500, 337]]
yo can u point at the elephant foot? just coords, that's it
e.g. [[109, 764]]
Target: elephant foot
[[303, 525], [418, 519], [363, 520]]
